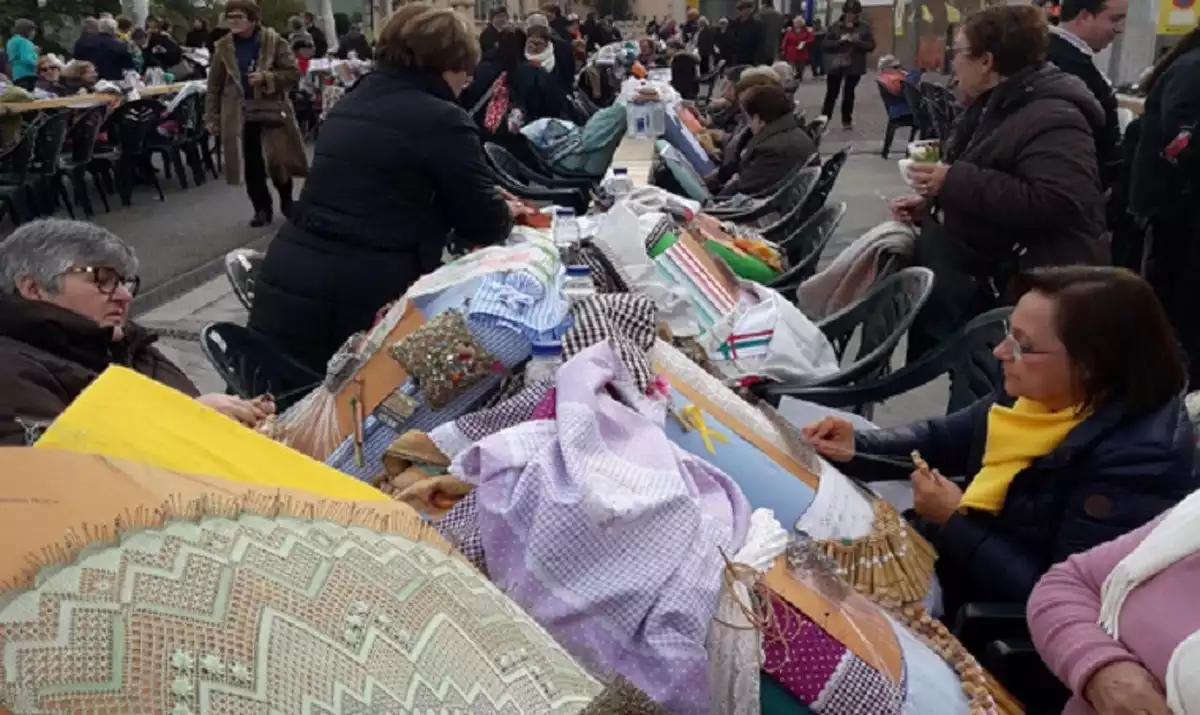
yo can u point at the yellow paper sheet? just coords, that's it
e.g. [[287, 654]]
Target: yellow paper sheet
[[129, 416]]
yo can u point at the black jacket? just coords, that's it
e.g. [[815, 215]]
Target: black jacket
[[1072, 60], [320, 43], [397, 167], [1159, 188], [744, 40], [1113, 473], [355, 42], [489, 40], [853, 51], [530, 88], [162, 51], [110, 55], [196, 38], [564, 65], [48, 355]]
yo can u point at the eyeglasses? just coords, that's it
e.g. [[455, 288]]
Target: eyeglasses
[[235, 16], [1019, 349], [107, 280]]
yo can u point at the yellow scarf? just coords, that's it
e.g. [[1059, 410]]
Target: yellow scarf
[[1016, 436]]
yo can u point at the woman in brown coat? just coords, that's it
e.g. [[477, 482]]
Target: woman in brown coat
[[253, 69], [1019, 185]]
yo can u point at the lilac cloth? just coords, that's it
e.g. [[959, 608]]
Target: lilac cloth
[[607, 534]]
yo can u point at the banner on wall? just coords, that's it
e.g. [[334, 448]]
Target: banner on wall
[[1177, 17]]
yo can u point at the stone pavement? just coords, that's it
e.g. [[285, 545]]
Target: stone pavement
[[865, 184]]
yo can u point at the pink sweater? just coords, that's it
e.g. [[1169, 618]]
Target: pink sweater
[[1064, 614]]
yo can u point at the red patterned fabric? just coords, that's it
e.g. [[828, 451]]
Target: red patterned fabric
[[497, 106]]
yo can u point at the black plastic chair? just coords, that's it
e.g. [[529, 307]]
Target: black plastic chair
[[73, 167], [792, 206], [803, 248], [41, 187], [789, 191], [830, 171], [15, 164], [942, 108], [816, 129], [522, 187], [894, 123], [998, 635], [967, 356], [882, 317], [501, 157], [251, 366], [921, 116], [129, 130], [241, 268], [177, 144]]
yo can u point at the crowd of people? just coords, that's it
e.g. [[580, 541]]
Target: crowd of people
[[1072, 489]]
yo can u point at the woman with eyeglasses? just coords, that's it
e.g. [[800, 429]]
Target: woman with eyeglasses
[[1088, 439], [66, 288], [247, 104]]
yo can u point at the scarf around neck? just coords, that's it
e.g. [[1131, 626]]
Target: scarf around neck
[[1016, 436], [1175, 538], [543, 59]]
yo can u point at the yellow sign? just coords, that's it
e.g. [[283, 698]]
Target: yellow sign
[[1177, 17], [693, 4]]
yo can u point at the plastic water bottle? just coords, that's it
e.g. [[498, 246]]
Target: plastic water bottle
[[564, 228], [621, 184], [579, 283], [544, 364]]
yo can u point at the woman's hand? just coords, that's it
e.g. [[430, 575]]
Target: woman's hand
[[213, 126], [926, 178], [934, 497], [906, 208], [256, 79], [832, 437], [250, 413], [1125, 688]]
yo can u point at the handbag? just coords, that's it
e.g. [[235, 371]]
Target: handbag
[[265, 112]]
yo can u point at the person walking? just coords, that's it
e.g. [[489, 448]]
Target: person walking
[[847, 45], [772, 32], [23, 54], [817, 56], [744, 36], [252, 71], [797, 43]]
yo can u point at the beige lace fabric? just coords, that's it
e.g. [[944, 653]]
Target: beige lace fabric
[[254, 615]]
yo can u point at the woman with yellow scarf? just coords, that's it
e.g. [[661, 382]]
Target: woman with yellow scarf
[[1087, 440]]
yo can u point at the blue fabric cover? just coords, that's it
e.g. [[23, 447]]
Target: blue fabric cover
[[682, 139], [683, 171]]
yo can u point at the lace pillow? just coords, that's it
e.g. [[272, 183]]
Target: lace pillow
[[287, 615], [444, 358]]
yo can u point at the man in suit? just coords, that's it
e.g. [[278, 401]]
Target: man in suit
[[1085, 28]]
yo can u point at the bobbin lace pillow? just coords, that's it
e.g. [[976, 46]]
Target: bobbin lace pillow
[[280, 615]]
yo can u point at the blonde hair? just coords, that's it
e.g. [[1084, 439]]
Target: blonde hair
[[420, 36], [75, 71]]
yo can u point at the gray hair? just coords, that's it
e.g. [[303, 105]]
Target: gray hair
[[535, 19], [23, 27], [108, 26], [91, 25], [47, 248]]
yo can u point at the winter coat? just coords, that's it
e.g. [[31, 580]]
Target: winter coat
[[744, 39], [1025, 173], [772, 32], [398, 166], [1072, 60], [771, 155], [111, 56], [1114, 472], [532, 89], [1158, 187], [848, 56], [48, 355], [283, 146], [796, 45]]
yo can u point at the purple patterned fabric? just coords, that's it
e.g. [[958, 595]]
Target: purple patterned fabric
[[607, 534], [460, 527], [822, 673]]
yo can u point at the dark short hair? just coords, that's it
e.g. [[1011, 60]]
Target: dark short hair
[[1116, 334], [497, 11], [1016, 36], [309, 16], [1070, 9], [768, 102], [540, 31], [510, 47], [551, 9], [249, 8], [745, 5], [424, 37], [124, 24]]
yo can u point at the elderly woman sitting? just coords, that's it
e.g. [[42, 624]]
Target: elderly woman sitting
[[65, 292], [777, 145]]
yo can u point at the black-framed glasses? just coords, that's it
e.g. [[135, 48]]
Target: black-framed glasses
[[107, 279], [236, 16]]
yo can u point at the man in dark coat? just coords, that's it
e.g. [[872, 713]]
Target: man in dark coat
[[744, 36], [490, 37], [1085, 28], [320, 43], [65, 292], [772, 32]]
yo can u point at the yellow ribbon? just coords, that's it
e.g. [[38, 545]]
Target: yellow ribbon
[[695, 418]]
